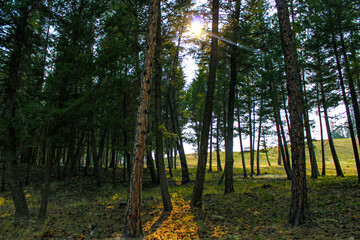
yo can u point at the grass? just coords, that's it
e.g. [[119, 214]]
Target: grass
[[257, 210]]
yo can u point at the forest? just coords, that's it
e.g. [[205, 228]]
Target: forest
[[97, 106]]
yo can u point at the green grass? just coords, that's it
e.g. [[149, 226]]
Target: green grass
[[343, 148], [257, 210]]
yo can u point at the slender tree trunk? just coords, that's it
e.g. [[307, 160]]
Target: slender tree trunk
[[185, 177], [351, 129], [241, 145], [218, 160], [323, 171], [266, 151], [278, 123], [201, 168], [87, 159], [251, 141], [259, 136], [151, 165], [3, 171], [331, 143], [299, 210], [229, 155], [353, 94], [159, 152], [132, 221], [313, 163], [211, 150], [46, 186], [175, 151]]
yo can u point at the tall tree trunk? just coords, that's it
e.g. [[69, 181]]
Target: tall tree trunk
[[218, 160], [278, 123], [251, 141], [211, 150], [331, 143], [159, 152], [353, 94], [259, 136], [151, 165], [266, 151], [323, 171], [299, 210], [313, 163], [11, 103], [201, 168], [241, 145], [185, 177], [3, 171], [229, 155], [87, 159], [132, 221], [351, 129], [46, 186]]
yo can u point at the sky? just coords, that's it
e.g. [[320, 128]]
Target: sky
[[190, 68]]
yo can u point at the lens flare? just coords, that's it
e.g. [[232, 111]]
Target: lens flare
[[196, 26]]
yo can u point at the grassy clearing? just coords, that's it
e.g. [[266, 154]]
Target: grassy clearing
[[257, 210]]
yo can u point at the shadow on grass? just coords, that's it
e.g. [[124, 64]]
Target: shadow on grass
[[157, 224]]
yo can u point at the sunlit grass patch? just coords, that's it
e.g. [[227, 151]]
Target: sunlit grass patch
[[180, 224]]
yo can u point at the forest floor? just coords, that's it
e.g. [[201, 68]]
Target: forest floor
[[257, 210]]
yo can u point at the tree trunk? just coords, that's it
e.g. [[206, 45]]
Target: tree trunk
[[278, 123], [299, 210], [46, 186], [351, 129], [313, 163], [185, 177], [259, 136], [323, 171], [353, 94], [251, 141], [3, 171], [331, 143], [211, 150], [132, 221], [218, 160], [201, 168], [159, 152], [241, 145], [11, 103], [266, 151], [150, 164], [229, 155]]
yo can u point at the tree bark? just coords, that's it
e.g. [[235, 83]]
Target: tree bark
[[10, 108], [323, 171], [159, 152], [353, 94], [229, 155], [218, 160], [132, 221], [201, 168], [350, 124], [330, 139], [211, 149], [241, 145], [46, 186], [299, 210], [259, 136], [313, 163]]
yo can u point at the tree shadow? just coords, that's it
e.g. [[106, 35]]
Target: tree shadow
[[156, 225]]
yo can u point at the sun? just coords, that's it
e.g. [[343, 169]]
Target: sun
[[196, 26]]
